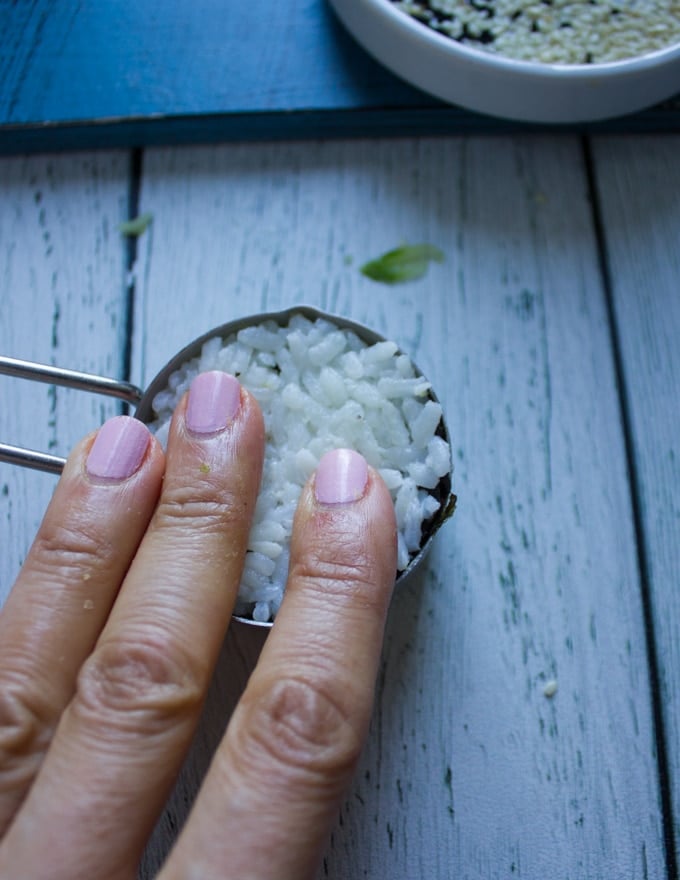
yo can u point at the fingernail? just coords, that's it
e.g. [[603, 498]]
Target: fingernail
[[340, 477], [118, 449], [214, 399]]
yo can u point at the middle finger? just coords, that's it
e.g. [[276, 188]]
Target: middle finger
[[121, 741]]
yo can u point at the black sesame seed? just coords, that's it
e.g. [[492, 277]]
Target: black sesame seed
[[521, 22], [481, 7]]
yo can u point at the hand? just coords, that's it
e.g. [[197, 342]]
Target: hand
[[110, 635]]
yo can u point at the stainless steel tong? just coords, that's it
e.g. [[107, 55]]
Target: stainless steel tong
[[19, 369]]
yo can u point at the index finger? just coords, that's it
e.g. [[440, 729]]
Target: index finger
[[293, 742], [121, 740]]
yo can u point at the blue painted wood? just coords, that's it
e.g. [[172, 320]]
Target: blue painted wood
[[471, 770], [88, 74], [639, 189], [75, 61]]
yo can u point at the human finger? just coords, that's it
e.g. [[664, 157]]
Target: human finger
[[61, 599], [292, 744], [121, 741]]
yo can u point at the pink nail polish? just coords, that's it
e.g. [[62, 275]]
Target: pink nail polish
[[118, 449], [340, 477], [214, 399]]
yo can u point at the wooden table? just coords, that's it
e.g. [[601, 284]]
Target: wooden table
[[550, 333]]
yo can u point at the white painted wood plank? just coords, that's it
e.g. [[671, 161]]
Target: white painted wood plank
[[62, 300], [639, 188], [470, 771]]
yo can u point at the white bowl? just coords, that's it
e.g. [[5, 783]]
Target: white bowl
[[500, 86]]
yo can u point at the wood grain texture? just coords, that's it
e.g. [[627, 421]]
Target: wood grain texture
[[80, 61], [470, 770], [79, 73], [639, 189], [63, 301]]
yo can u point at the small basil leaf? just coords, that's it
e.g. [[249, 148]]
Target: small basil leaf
[[136, 226], [406, 263]]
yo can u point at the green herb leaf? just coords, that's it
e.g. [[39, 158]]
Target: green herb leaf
[[136, 226], [406, 263]]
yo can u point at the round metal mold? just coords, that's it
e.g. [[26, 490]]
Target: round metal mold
[[145, 412], [143, 401]]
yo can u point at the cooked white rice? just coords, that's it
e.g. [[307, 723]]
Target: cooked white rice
[[321, 388], [554, 31]]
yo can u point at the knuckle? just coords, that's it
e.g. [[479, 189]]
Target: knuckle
[[339, 580], [209, 510], [299, 727], [70, 547], [25, 725], [143, 685]]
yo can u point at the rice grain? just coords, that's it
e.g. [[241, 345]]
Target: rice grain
[[321, 388]]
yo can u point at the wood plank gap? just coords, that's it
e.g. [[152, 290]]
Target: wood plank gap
[[136, 166], [638, 523]]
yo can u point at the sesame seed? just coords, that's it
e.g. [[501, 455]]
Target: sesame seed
[[554, 31]]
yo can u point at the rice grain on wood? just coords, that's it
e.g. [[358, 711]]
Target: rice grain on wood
[[320, 388]]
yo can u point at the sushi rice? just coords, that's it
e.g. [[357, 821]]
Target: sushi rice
[[321, 387]]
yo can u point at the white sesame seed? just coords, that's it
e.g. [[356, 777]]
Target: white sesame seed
[[554, 31]]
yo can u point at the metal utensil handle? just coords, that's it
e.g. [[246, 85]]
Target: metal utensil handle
[[70, 378], [39, 461], [58, 376]]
